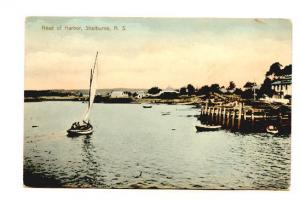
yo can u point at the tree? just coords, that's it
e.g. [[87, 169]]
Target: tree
[[215, 88], [266, 88], [203, 90], [275, 69], [287, 70], [190, 89], [238, 91], [135, 94], [183, 91], [249, 85], [154, 90], [128, 93], [231, 85], [247, 94]]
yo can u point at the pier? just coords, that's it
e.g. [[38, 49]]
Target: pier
[[241, 117]]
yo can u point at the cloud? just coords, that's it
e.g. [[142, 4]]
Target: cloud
[[60, 60]]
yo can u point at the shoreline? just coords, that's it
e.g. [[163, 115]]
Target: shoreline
[[232, 114]]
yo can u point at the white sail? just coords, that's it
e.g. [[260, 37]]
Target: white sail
[[93, 88]]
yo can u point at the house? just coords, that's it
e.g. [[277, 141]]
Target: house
[[140, 94], [223, 90], [118, 94], [282, 87]]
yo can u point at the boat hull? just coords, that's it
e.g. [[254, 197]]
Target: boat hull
[[76, 132], [147, 106], [207, 128], [274, 132]]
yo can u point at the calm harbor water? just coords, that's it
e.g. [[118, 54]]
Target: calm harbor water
[[134, 147]]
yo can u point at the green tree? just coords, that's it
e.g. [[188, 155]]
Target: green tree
[[215, 88], [154, 90], [287, 70], [190, 89], [249, 85], [203, 90], [266, 88], [183, 91], [275, 68], [231, 85]]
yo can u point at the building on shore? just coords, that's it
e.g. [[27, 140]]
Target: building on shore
[[282, 87], [282, 90], [119, 94], [140, 94]]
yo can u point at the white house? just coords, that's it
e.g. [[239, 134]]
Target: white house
[[119, 94], [223, 89], [282, 86], [140, 94]]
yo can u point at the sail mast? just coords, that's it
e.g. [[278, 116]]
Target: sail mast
[[91, 76], [92, 89], [91, 80]]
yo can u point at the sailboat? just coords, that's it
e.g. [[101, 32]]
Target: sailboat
[[84, 127]]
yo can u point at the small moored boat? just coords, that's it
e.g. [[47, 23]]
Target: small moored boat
[[272, 129], [202, 127], [147, 106]]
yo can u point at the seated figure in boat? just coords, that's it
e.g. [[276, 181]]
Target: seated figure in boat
[[75, 125], [84, 124]]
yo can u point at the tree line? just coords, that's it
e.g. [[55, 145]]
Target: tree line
[[250, 89]]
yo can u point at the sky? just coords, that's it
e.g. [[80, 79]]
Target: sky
[[147, 52]]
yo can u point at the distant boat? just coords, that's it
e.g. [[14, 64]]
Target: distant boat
[[84, 127], [272, 129], [147, 106], [202, 127]]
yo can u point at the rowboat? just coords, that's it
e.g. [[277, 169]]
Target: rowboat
[[272, 129], [203, 127]]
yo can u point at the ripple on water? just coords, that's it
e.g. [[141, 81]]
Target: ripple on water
[[114, 156]]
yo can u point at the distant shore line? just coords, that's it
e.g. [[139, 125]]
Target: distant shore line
[[181, 100]]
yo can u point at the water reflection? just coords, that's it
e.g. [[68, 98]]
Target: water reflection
[[139, 148]]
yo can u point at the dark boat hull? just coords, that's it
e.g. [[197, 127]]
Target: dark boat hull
[[80, 131], [207, 128], [147, 106], [274, 131]]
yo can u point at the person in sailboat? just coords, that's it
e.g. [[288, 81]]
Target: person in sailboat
[[84, 124]]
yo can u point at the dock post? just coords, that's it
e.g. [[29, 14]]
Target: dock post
[[223, 116], [227, 120], [220, 116], [252, 118], [212, 114], [217, 115], [208, 114], [233, 119], [239, 115]]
